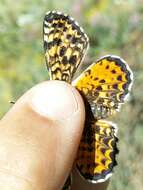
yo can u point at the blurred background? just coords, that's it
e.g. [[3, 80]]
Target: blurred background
[[114, 27]]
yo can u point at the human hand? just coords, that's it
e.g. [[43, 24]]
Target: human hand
[[39, 138]]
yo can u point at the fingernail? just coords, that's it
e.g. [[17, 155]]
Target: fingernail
[[56, 100]]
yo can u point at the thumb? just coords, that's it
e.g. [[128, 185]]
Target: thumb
[[39, 137]]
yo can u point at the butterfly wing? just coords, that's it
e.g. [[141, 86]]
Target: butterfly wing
[[97, 151], [106, 85], [65, 44]]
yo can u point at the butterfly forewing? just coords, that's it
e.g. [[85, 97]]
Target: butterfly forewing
[[65, 44], [106, 85]]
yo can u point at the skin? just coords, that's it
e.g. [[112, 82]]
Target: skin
[[39, 138]]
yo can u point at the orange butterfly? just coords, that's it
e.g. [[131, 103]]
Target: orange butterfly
[[104, 86]]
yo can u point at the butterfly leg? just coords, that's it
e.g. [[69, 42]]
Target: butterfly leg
[[68, 183]]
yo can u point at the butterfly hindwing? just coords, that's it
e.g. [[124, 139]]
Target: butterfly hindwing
[[97, 151], [65, 44], [105, 84]]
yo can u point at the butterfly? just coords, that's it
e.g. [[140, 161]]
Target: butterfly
[[104, 86]]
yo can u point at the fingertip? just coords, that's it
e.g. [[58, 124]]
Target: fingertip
[[56, 100]]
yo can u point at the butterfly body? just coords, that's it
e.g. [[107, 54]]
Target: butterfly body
[[104, 86]]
